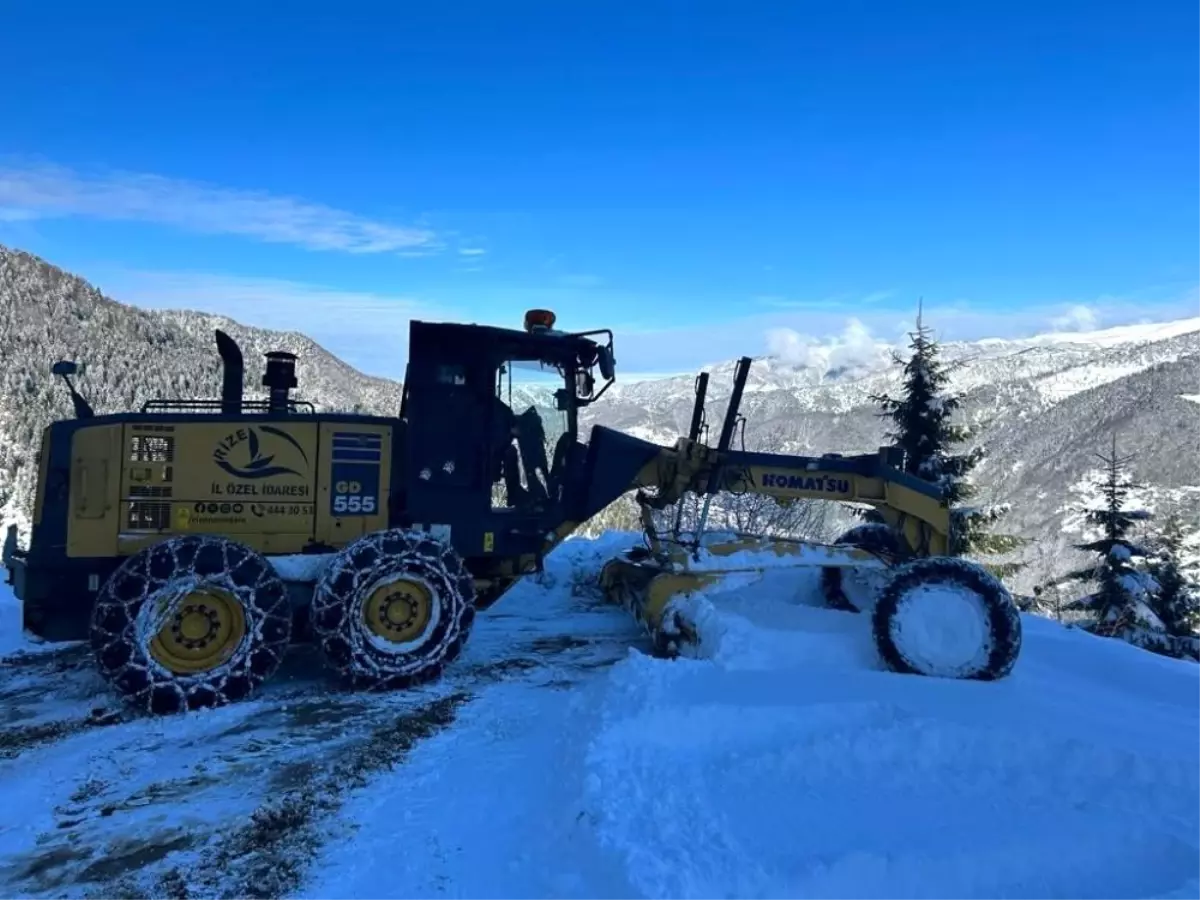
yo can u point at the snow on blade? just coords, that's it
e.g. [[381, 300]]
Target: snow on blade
[[804, 555]]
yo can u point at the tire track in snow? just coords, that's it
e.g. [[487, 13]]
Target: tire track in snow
[[268, 855], [230, 802], [145, 807]]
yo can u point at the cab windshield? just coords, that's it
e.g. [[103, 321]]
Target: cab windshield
[[531, 433]]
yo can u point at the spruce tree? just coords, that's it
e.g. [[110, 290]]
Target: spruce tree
[[923, 426], [1121, 605], [1177, 602]]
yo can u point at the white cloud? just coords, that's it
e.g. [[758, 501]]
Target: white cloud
[[471, 251], [52, 191], [807, 333], [1079, 317], [854, 348]]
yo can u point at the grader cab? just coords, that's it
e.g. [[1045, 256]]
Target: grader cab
[[193, 541]]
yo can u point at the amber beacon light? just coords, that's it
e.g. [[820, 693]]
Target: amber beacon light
[[539, 319]]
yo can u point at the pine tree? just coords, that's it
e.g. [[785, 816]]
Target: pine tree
[[1177, 602], [922, 426], [1121, 606]]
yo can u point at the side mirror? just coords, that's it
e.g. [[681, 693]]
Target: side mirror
[[604, 358], [64, 369]]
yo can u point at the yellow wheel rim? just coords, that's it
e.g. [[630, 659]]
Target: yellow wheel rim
[[206, 628], [398, 611]]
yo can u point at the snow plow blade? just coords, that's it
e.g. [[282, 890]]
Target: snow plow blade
[[652, 586], [936, 616]]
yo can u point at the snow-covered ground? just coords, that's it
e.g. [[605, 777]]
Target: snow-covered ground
[[555, 759]]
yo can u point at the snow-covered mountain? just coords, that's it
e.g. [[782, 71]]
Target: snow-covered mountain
[[1044, 405]]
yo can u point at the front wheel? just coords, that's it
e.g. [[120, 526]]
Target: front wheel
[[948, 618], [392, 609]]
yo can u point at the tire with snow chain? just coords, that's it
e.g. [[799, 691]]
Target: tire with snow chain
[[392, 609], [948, 618], [191, 622], [856, 592]]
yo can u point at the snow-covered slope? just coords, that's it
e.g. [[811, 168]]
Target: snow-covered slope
[[556, 760], [1027, 374]]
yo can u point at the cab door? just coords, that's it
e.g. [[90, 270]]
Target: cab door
[[446, 445]]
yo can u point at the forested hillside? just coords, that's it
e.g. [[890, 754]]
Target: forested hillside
[[128, 356]]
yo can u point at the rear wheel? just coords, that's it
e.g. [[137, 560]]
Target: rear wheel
[[192, 622], [856, 589], [393, 609], [948, 618]]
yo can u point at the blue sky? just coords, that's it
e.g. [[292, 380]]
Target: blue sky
[[696, 176]]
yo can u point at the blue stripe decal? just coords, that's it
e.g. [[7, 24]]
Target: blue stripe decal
[[357, 455]]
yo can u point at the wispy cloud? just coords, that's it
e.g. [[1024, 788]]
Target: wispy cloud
[[777, 301], [12, 214], [367, 330], [45, 191], [834, 301], [877, 297], [471, 251], [580, 281]]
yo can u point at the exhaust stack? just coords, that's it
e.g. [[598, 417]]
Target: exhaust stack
[[233, 371], [279, 379]]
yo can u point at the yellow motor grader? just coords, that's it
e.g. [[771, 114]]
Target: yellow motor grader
[[193, 541]]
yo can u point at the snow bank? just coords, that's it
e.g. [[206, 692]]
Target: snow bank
[[787, 762], [13, 638], [784, 762], [709, 780]]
